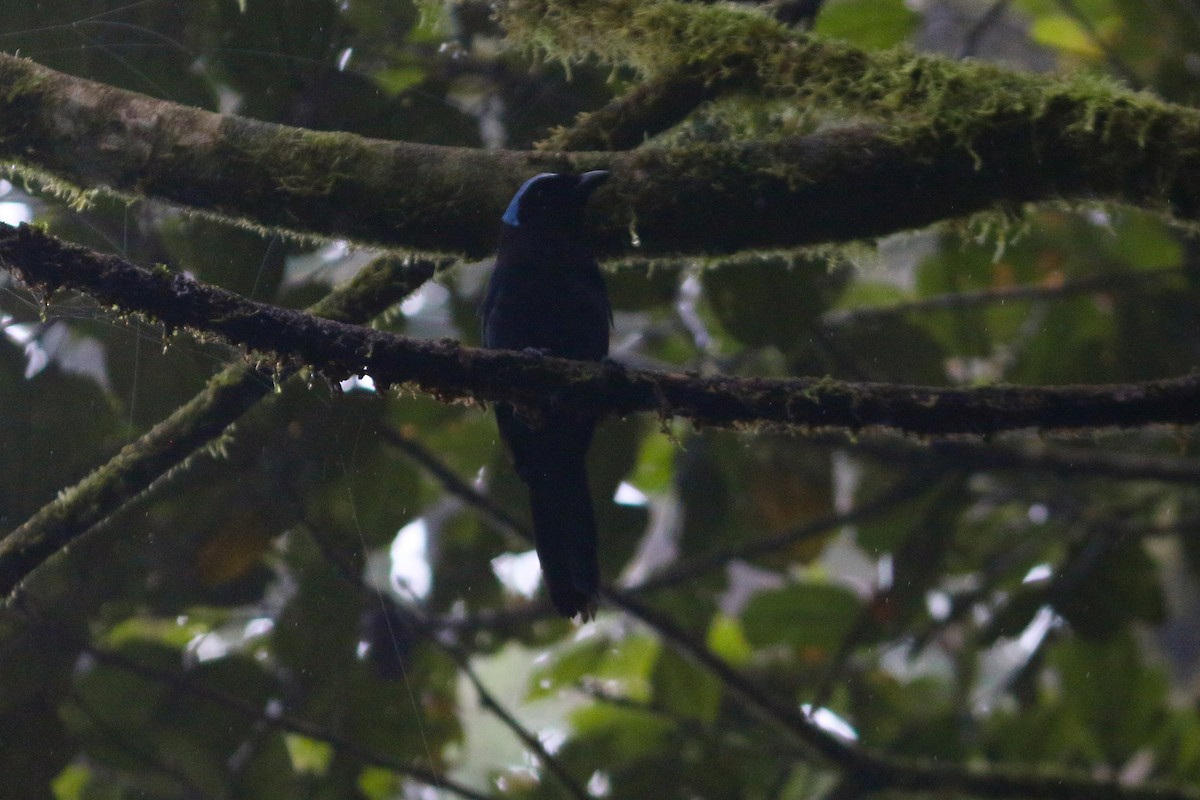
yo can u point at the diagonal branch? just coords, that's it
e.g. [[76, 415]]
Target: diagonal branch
[[227, 396], [490, 702], [868, 769], [871, 771], [647, 109], [459, 655]]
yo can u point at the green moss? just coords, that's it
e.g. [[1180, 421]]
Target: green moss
[[36, 180], [954, 97]]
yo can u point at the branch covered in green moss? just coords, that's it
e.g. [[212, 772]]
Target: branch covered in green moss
[[79, 136], [733, 47], [956, 143], [649, 108], [228, 395], [1026, 137]]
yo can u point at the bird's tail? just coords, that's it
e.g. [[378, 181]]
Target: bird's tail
[[564, 527]]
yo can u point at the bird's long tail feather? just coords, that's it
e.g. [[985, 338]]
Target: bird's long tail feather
[[564, 527]]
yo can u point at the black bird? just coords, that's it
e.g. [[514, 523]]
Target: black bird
[[546, 294]]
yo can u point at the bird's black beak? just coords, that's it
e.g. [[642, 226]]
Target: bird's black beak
[[589, 182]]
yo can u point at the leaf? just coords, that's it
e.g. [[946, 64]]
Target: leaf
[[810, 616], [1123, 587], [686, 689], [892, 348], [396, 80], [54, 423], [616, 735], [873, 24], [626, 661], [772, 300], [1117, 697], [34, 746], [727, 639], [1144, 241], [1065, 34], [654, 467]]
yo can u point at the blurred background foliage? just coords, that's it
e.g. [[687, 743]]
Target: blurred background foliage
[[306, 615]]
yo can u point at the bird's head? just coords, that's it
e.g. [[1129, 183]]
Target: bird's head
[[551, 200]]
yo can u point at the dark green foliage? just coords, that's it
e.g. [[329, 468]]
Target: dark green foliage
[[252, 627]]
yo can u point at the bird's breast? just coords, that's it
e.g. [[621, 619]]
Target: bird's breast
[[561, 312]]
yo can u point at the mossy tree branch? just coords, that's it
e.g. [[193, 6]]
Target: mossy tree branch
[[647, 109], [957, 139], [449, 371]]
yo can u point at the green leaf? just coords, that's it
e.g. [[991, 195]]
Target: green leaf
[[1123, 587], [616, 735], [812, 616], [772, 300], [395, 80], [626, 661], [727, 639], [1066, 35], [655, 464], [1112, 692], [873, 24], [686, 689], [308, 755], [1144, 241], [34, 747]]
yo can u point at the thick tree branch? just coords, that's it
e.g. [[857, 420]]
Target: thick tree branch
[[959, 138], [449, 371]]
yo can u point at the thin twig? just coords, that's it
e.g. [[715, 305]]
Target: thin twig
[[1115, 61], [975, 34], [904, 489], [452, 483], [460, 656], [1095, 284], [531, 741]]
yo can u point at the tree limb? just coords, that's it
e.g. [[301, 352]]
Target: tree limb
[[958, 139], [449, 371]]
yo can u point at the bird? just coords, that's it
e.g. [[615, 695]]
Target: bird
[[546, 295]]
